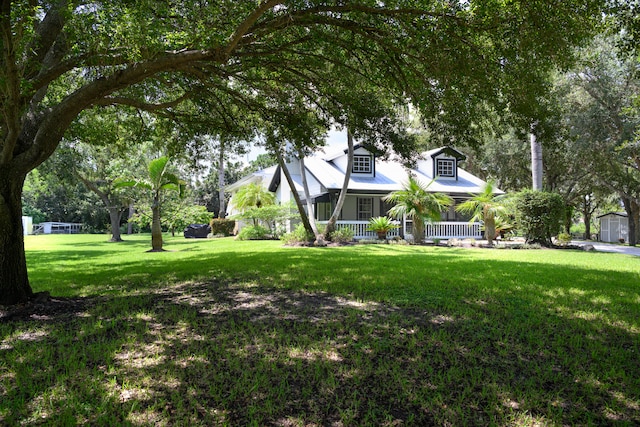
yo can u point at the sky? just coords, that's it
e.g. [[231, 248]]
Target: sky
[[335, 140]]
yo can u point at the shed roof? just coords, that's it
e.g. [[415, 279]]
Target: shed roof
[[622, 214]]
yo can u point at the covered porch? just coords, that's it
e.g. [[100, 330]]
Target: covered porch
[[359, 208], [434, 230]]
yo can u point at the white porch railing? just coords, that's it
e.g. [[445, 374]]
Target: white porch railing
[[360, 231], [449, 230], [434, 230]]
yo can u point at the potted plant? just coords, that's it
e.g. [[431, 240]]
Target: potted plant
[[381, 225]]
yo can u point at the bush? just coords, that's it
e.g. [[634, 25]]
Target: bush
[[255, 232], [342, 235], [299, 235], [563, 239], [222, 226], [539, 215]]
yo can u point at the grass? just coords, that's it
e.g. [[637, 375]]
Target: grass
[[222, 332]]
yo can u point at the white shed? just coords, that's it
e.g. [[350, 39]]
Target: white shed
[[614, 226]]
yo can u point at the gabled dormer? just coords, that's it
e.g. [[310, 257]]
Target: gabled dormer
[[445, 163], [364, 162]]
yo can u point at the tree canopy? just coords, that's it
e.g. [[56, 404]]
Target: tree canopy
[[276, 60]]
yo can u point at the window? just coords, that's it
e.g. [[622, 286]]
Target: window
[[445, 168], [324, 211], [361, 164], [365, 208]]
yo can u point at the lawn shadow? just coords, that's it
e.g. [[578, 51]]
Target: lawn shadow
[[229, 352]]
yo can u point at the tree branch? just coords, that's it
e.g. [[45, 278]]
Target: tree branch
[[141, 105], [243, 28]]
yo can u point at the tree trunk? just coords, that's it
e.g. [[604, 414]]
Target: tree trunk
[[331, 225], [303, 215], [633, 213], [156, 229], [536, 160], [418, 230], [319, 239], [568, 218], [115, 215], [223, 208], [489, 228], [14, 281], [586, 216]]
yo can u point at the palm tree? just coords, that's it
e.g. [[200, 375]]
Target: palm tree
[[253, 195], [485, 207], [418, 203], [159, 180]]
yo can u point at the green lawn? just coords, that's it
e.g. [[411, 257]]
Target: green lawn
[[221, 332]]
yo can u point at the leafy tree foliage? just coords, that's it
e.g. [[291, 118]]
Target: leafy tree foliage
[[267, 58], [606, 85]]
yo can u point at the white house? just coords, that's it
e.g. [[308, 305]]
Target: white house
[[614, 226], [371, 179]]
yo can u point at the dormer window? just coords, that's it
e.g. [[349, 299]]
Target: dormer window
[[446, 168], [362, 164]]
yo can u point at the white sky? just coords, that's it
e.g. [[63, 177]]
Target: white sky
[[335, 140]]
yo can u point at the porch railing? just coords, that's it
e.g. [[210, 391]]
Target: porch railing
[[434, 230], [449, 230], [360, 231]]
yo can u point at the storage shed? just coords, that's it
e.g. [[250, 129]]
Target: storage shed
[[614, 226]]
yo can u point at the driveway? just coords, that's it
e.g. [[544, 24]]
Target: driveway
[[609, 247]]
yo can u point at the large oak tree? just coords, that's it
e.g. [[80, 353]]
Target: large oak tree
[[59, 58]]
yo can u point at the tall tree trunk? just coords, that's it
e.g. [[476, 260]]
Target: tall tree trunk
[[489, 228], [536, 159], [633, 214], [14, 281], [156, 229], [586, 215], [303, 215], [115, 215], [223, 208], [319, 239], [331, 225]]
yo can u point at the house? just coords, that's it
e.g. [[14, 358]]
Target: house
[[614, 227], [372, 178]]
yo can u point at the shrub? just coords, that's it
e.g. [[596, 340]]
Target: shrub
[[222, 226], [382, 224], [563, 239], [255, 232], [539, 215], [342, 235], [270, 216], [299, 235]]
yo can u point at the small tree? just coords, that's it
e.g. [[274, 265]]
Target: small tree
[[539, 215], [484, 206], [158, 181], [253, 195], [418, 203]]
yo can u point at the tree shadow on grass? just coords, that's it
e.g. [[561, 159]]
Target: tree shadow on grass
[[238, 353]]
